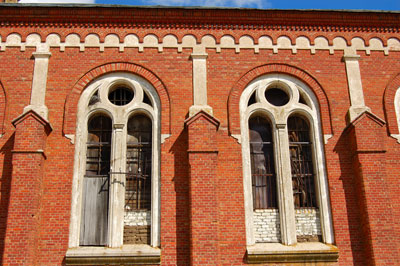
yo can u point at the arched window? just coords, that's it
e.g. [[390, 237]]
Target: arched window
[[285, 183], [96, 182], [115, 200], [301, 163], [138, 180], [262, 164]]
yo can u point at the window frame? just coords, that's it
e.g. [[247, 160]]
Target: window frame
[[120, 116], [278, 116], [397, 111]]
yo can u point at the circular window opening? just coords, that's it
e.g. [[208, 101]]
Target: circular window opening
[[121, 96], [276, 97]]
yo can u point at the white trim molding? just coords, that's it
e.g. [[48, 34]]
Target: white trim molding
[[199, 84], [112, 40], [357, 103], [119, 116], [301, 101], [397, 110], [39, 82]]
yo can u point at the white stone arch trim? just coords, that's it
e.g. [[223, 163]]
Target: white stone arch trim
[[119, 116], [321, 177], [397, 111], [278, 117]]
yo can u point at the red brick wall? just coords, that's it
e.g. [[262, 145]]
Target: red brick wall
[[25, 193], [174, 70], [369, 166], [203, 157]]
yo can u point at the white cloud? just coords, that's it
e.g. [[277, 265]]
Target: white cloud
[[225, 3], [58, 1]]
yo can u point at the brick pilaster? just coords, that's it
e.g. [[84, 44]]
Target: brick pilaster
[[367, 134], [203, 154], [22, 234]]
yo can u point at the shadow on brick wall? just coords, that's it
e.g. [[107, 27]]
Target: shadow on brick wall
[[181, 186], [5, 186], [352, 206]]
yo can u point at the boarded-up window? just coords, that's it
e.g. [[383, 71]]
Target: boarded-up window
[[138, 181], [94, 222], [262, 164], [301, 163]]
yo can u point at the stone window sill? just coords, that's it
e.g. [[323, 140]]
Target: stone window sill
[[301, 252], [126, 255]]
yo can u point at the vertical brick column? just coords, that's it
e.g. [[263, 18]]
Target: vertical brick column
[[22, 234], [367, 134], [203, 154]]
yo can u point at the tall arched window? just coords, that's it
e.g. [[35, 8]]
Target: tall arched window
[[285, 183], [301, 162], [262, 163], [96, 182], [138, 180], [116, 193]]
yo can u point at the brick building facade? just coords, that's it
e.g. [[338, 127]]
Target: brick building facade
[[198, 136]]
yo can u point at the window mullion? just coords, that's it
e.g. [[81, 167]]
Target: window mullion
[[117, 189], [285, 190]]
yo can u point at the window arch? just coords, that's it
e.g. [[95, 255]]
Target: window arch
[[290, 109], [397, 111], [118, 136]]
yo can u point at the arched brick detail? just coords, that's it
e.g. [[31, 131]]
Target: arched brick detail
[[388, 104], [71, 103], [2, 107], [236, 92]]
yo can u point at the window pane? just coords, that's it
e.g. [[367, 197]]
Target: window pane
[[262, 164], [138, 181], [98, 146], [301, 163], [96, 183]]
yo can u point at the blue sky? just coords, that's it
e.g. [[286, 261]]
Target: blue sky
[[280, 4]]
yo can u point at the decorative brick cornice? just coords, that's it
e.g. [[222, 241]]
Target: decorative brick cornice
[[198, 18]]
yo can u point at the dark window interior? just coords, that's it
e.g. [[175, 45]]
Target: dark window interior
[[138, 163], [262, 164], [301, 163]]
